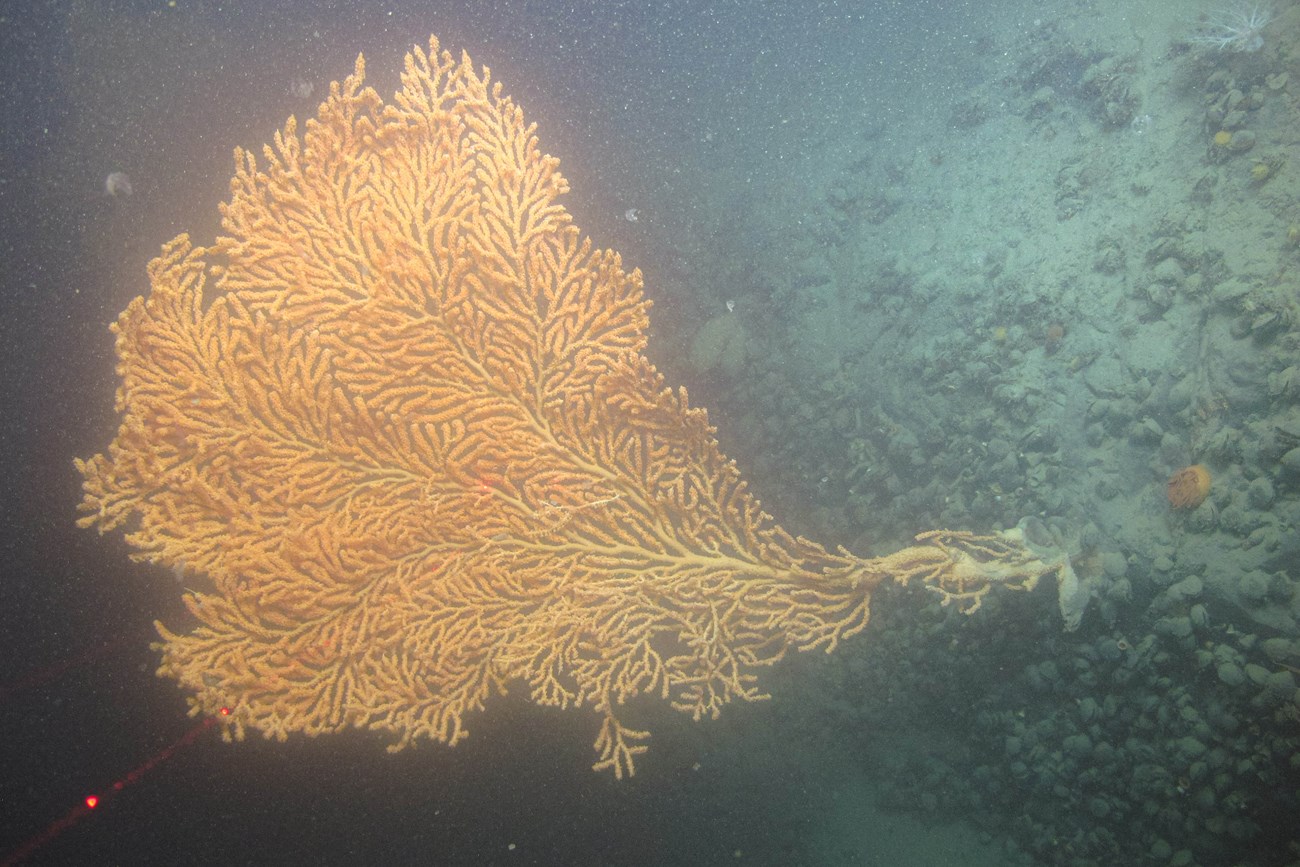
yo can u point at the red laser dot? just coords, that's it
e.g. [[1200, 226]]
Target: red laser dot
[[92, 801], [225, 711]]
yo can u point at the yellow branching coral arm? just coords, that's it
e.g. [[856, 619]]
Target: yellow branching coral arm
[[399, 418]]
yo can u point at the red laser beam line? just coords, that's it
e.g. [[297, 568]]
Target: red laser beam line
[[90, 802]]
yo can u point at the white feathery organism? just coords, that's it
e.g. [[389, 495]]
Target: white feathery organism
[[1239, 27]]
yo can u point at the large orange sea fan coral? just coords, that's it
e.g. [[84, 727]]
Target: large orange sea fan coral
[[399, 416]]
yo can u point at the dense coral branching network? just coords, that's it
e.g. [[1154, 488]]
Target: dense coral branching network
[[399, 419]]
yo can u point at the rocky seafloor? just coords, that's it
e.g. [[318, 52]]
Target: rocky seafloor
[[1082, 279]]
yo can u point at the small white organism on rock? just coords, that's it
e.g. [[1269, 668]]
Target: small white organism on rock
[[1239, 27], [631, 214]]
